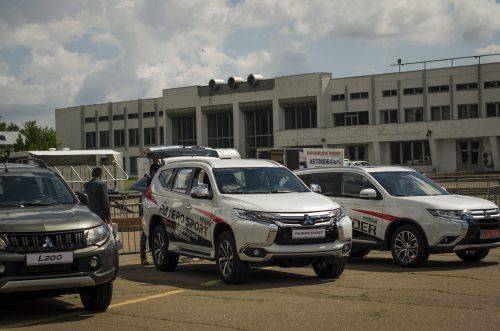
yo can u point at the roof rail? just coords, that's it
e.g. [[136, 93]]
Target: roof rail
[[30, 160]]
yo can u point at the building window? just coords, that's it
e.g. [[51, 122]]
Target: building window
[[413, 91], [440, 113], [220, 130], [414, 114], [149, 136], [351, 118], [411, 153], [117, 117], [184, 130], [160, 114], [492, 84], [104, 139], [338, 97], [357, 153], [493, 109], [388, 116], [133, 165], [90, 140], [468, 111], [466, 86], [300, 116], [133, 137], [148, 114], [389, 93], [438, 89], [258, 130], [162, 135], [89, 119], [119, 138], [132, 116], [359, 95], [103, 118]]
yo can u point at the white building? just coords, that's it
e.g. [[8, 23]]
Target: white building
[[444, 119]]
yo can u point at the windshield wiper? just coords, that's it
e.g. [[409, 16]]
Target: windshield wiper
[[36, 204]]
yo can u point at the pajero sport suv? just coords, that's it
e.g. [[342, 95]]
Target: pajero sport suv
[[402, 210], [50, 244], [243, 213]]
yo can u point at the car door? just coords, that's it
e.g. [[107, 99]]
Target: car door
[[366, 213]]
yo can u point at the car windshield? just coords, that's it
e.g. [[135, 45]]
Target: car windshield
[[33, 189], [257, 180], [407, 184]]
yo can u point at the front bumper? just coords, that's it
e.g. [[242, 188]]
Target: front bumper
[[18, 277]]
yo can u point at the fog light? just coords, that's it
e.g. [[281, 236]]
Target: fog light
[[256, 252], [448, 239], [2, 269], [94, 263], [346, 248]]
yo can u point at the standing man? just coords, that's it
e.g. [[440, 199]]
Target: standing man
[[142, 186], [97, 193]]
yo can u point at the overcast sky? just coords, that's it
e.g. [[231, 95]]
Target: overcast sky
[[63, 53]]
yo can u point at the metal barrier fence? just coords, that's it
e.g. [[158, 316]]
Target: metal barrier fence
[[486, 187], [125, 212]]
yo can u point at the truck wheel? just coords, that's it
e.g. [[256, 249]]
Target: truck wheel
[[163, 260], [230, 268], [408, 246], [359, 253], [328, 270], [473, 255], [97, 298]]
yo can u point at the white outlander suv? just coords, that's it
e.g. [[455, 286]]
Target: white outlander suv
[[402, 210], [242, 213]]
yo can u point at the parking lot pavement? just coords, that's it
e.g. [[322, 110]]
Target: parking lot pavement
[[373, 293]]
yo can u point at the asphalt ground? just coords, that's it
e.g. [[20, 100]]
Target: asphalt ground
[[373, 293]]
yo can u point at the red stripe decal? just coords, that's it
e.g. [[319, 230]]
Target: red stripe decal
[[213, 217], [387, 217]]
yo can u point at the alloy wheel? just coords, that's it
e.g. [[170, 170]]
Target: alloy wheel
[[226, 258], [406, 246], [159, 248]]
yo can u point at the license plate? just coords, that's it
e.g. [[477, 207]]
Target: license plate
[[489, 234], [308, 233], [49, 258]]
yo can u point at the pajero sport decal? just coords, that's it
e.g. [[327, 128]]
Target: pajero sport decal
[[186, 229]]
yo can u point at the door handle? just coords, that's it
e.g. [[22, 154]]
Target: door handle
[[188, 206]]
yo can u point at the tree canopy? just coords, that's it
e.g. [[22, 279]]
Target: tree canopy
[[37, 137]]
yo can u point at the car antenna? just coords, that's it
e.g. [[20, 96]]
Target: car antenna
[[6, 158]]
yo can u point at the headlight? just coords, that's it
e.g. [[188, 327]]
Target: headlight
[[452, 214], [254, 216], [3, 243], [339, 213], [97, 235]]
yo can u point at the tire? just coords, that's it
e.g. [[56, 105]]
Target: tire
[[409, 247], [328, 270], [163, 260], [97, 298], [473, 255], [230, 268], [359, 253]]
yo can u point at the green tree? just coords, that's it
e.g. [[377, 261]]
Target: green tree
[[20, 144], [38, 138]]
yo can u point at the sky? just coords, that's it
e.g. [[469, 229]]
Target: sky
[[62, 53]]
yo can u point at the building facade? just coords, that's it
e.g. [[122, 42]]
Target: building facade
[[445, 119]]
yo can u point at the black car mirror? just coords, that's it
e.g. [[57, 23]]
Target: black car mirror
[[84, 200]]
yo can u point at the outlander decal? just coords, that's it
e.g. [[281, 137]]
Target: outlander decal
[[386, 217]]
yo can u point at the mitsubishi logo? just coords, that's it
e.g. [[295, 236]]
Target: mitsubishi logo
[[308, 220], [47, 243]]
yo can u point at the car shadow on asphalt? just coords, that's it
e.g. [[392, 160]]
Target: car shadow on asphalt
[[196, 276], [20, 312], [380, 264]]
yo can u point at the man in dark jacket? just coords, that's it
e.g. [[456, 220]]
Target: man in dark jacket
[[97, 193]]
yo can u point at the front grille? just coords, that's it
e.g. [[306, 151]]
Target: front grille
[[284, 236], [48, 241], [475, 227], [46, 269]]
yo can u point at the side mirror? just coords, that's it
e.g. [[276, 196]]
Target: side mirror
[[368, 193], [315, 188], [200, 192], [444, 188], [84, 200]]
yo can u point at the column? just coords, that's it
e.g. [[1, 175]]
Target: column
[[434, 147], [169, 132], [82, 123], [97, 138], [495, 152], [375, 153], [157, 123], [201, 127], [110, 122], [141, 128], [238, 129]]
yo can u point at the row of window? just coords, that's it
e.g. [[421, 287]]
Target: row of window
[[353, 96], [119, 138], [300, 116], [351, 118], [120, 117]]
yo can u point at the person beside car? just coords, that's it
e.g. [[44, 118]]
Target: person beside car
[[97, 193]]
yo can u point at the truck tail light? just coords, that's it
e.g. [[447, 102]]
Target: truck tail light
[[149, 195]]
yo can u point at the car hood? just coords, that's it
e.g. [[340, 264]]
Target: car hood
[[452, 202], [46, 219], [283, 202]]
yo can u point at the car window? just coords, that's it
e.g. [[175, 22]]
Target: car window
[[329, 182], [408, 183], [165, 178], [352, 184], [182, 180]]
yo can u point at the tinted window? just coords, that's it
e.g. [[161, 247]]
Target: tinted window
[[183, 180], [329, 182], [352, 184], [165, 178], [406, 183]]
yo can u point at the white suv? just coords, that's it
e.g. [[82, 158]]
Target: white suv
[[402, 210], [242, 213]]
